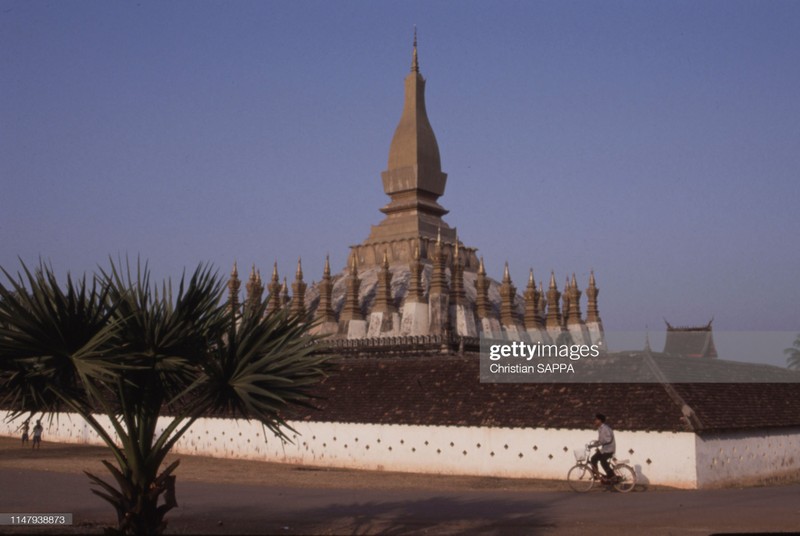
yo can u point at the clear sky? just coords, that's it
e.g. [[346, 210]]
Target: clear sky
[[655, 142]]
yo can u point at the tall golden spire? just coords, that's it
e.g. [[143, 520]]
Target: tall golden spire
[[508, 292], [324, 311], [458, 295], [574, 313], [565, 305], [415, 292], [482, 304], [542, 300], [439, 276], [274, 288], [553, 321], [413, 178], [233, 290], [532, 318], [383, 292], [298, 307], [592, 313], [351, 310], [254, 290], [285, 299]]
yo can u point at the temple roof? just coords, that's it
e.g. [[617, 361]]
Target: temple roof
[[690, 341], [446, 391]]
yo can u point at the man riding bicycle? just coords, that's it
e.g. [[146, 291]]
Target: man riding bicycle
[[606, 446]]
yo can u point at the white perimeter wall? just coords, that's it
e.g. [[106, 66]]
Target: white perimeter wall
[[659, 458], [738, 457]]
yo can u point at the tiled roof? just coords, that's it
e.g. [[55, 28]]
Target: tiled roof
[[742, 406], [446, 390]]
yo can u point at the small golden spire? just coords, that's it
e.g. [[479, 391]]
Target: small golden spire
[[591, 279], [481, 268], [285, 300], [574, 281], [275, 272], [353, 265], [553, 280], [531, 282], [506, 275], [253, 272], [326, 272], [235, 271], [299, 273]]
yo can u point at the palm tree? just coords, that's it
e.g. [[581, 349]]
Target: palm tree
[[118, 347], [793, 354]]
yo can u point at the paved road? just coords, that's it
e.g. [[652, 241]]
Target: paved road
[[229, 509]]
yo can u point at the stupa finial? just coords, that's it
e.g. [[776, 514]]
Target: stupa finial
[[414, 59]]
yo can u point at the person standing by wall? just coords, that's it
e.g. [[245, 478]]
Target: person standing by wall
[[37, 435], [26, 426]]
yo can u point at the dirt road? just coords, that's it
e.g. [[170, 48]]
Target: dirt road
[[232, 497]]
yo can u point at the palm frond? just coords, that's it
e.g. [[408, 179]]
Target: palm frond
[[267, 363], [167, 333], [52, 339]]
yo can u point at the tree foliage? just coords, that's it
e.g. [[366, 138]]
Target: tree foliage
[[153, 360]]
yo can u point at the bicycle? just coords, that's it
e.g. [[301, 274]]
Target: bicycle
[[582, 476]]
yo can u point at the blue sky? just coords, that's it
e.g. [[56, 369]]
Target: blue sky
[[655, 142]]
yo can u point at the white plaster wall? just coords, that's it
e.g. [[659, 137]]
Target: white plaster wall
[[741, 456], [659, 458]]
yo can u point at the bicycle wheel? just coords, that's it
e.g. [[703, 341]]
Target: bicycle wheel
[[580, 478], [626, 476]]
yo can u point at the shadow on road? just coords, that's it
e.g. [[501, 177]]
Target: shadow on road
[[438, 515], [429, 515]]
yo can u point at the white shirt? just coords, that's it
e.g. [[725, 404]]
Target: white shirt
[[605, 439]]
